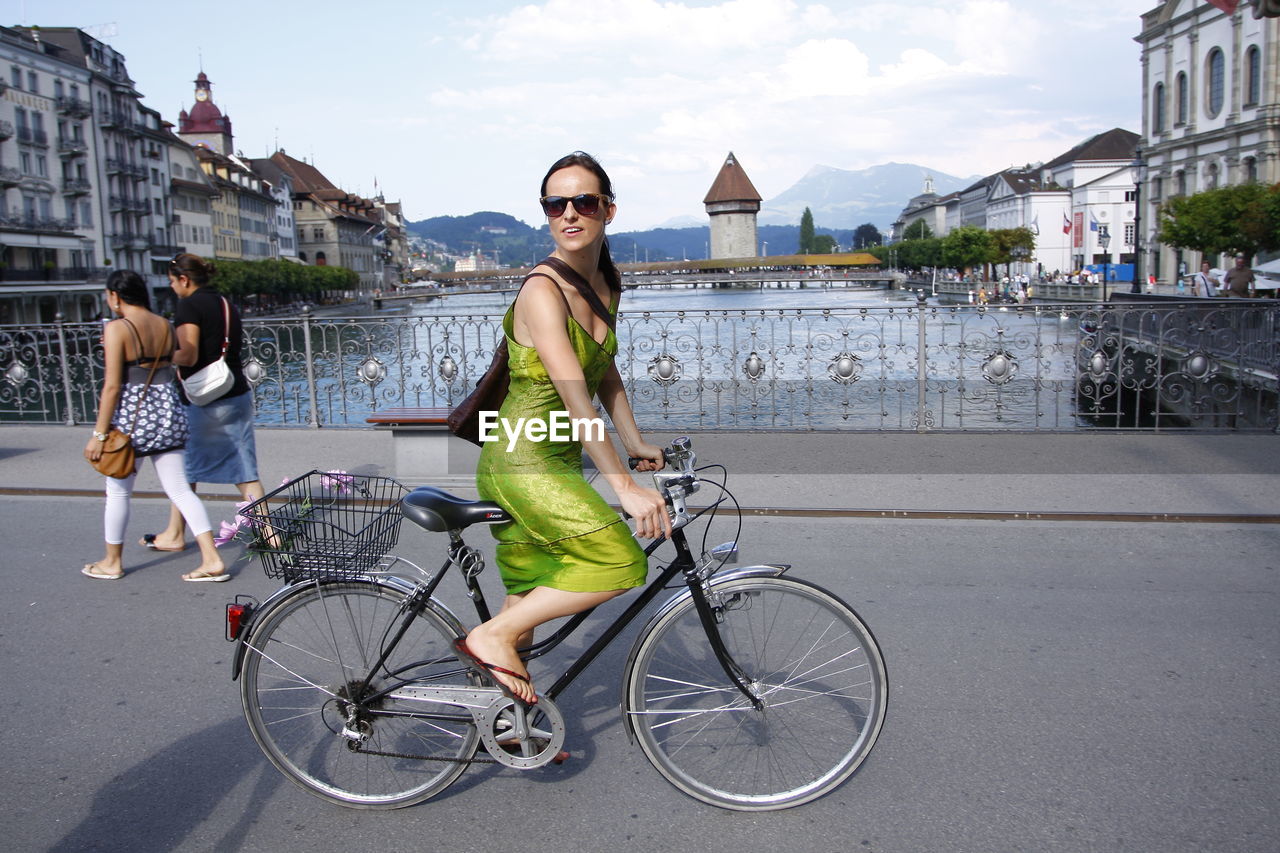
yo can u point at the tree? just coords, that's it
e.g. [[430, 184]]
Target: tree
[[1007, 240], [968, 246], [806, 232], [918, 254], [282, 279], [823, 244], [1243, 218], [917, 230], [911, 254], [866, 235]]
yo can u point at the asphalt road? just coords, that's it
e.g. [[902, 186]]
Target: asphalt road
[[1054, 686]]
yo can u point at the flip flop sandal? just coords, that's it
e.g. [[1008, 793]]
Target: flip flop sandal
[[485, 669], [149, 542], [204, 577], [90, 570]]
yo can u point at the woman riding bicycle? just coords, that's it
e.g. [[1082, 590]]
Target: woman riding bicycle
[[565, 550]]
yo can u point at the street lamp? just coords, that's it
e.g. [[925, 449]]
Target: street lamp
[[1138, 170], [1104, 240]]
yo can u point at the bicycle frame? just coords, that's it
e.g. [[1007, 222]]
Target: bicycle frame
[[420, 594]]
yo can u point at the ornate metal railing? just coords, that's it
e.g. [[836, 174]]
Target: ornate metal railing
[[915, 366]]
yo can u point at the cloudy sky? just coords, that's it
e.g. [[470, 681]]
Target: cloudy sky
[[454, 107]]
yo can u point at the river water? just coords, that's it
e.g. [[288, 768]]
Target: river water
[[794, 356], [640, 299]]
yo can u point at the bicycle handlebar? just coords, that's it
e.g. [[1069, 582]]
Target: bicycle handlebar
[[677, 485]]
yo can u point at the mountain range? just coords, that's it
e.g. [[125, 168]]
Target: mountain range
[[840, 200]]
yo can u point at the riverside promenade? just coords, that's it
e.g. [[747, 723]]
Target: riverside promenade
[[1080, 632]]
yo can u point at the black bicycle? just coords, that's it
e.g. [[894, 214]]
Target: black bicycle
[[747, 689]]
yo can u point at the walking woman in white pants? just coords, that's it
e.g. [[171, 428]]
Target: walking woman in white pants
[[140, 397]]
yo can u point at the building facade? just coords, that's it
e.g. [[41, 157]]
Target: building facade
[[1210, 109], [280, 185], [121, 132], [51, 245], [1099, 206], [243, 212], [1068, 204], [334, 227], [394, 242], [157, 191], [191, 199]]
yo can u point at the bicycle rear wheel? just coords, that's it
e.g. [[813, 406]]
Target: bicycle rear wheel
[[304, 695], [813, 663]]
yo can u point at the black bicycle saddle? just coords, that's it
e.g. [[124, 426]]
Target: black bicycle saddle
[[439, 511]]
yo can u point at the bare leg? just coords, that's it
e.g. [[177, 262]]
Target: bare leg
[[171, 538], [250, 491], [496, 641]]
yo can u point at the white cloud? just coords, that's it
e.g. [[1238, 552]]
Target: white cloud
[[468, 103], [645, 31], [823, 67], [916, 65]]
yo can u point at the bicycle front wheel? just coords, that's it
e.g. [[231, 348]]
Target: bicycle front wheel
[[808, 657], [320, 711]]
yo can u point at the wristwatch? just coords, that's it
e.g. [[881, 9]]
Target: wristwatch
[[101, 436]]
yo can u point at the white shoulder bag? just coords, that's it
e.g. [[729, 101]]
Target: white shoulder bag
[[214, 379]]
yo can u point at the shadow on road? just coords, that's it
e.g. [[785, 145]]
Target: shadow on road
[[156, 803]]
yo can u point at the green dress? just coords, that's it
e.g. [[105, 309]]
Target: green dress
[[562, 533]]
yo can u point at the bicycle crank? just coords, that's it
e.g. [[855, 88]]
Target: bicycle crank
[[516, 735], [522, 736]]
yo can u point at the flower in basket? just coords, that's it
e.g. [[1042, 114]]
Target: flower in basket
[[231, 530], [338, 481]]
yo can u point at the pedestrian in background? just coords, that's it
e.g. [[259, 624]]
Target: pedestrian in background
[[1239, 279], [140, 397], [1205, 283], [221, 448]]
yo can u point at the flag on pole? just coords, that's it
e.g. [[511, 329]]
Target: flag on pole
[[1066, 224], [1035, 224], [1093, 222], [1227, 6]]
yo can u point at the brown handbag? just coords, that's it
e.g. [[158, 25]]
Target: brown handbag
[[117, 459], [491, 389]]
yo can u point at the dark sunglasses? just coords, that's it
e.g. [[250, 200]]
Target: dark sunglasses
[[587, 204]]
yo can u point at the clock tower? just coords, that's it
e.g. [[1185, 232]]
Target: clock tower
[[205, 126]]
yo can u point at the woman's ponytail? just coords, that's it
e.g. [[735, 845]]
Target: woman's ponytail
[[609, 268]]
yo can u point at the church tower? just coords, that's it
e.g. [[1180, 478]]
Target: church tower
[[732, 203], [205, 126]]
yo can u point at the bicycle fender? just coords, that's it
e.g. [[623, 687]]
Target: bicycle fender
[[286, 592], [768, 570]]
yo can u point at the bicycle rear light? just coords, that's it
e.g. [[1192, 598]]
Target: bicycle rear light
[[238, 613]]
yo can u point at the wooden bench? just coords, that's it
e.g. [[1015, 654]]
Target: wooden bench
[[420, 440]]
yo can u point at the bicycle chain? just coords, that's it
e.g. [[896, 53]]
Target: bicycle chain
[[448, 759]]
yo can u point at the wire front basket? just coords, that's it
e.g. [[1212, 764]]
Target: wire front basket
[[325, 525]]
